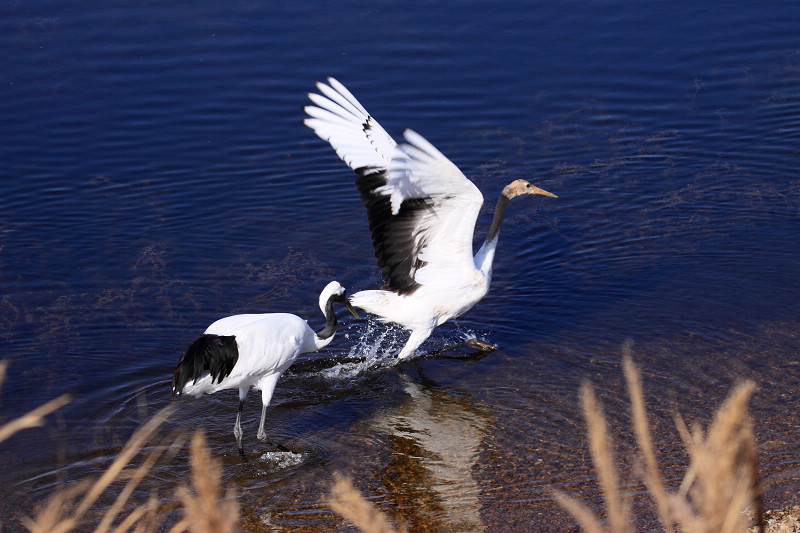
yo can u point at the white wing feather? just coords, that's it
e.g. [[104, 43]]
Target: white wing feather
[[416, 169], [342, 121]]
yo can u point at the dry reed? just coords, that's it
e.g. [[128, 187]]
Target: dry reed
[[720, 482], [206, 511], [349, 503], [68, 509], [34, 418], [651, 475]]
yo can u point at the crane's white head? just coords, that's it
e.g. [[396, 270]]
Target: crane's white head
[[334, 291], [520, 187]]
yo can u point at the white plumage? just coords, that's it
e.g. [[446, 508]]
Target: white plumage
[[422, 212], [253, 350]]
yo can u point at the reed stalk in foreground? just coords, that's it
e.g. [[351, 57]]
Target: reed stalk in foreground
[[68, 509], [33, 419], [205, 508], [207, 511], [720, 482], [350, 504]]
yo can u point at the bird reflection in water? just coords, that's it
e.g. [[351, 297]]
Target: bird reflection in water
[[434, 441]]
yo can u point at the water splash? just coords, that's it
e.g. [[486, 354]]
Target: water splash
[[278, 460], [376, 346]]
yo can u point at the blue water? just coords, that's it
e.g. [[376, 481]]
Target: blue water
[[156, 175]]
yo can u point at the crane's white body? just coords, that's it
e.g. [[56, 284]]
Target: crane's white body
[[268, 345], [432, 304], [432, 275], [253, 351]]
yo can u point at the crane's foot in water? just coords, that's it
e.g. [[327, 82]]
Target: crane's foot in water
[[482, 348], [279, 447]]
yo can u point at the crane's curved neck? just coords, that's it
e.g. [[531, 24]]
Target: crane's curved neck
[[485, 256], [499, 211], [324, 336]]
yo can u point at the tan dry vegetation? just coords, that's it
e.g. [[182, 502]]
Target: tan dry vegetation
[[76, 508], [205, 510], [720, 482], [346, 500]]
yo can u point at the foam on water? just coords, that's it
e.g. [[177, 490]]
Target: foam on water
[[278, 460]]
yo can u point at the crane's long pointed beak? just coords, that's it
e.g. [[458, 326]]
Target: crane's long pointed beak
[[350, 308], [537, 190]]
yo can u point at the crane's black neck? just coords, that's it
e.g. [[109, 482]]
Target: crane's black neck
[[330, 319], [499, 211]]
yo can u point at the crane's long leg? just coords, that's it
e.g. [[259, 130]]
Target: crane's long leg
[[237, 429], [483, 348], [262, 434], [416, 338], [267, 386]]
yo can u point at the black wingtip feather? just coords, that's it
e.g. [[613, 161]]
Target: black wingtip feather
[[393, 235], [207, 354]]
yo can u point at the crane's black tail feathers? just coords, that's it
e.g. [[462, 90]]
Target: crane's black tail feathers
[[207, 354]]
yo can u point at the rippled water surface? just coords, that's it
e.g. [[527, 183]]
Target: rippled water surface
[[156, 176]]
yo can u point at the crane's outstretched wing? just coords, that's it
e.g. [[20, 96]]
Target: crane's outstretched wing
[[421, 208]]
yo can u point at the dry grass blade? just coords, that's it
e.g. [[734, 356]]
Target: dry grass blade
[[183, 525], [133, 482], [349, 503], [33, 419], [755, 482], [50, 516], [131, 519], [585, 517], [602, 456], [3, 367], [207, 511], [132, 447], [719, 483], [652, 475], [724, 466], [686, 437]]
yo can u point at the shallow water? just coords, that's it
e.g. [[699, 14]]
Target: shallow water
[[157, 176]]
